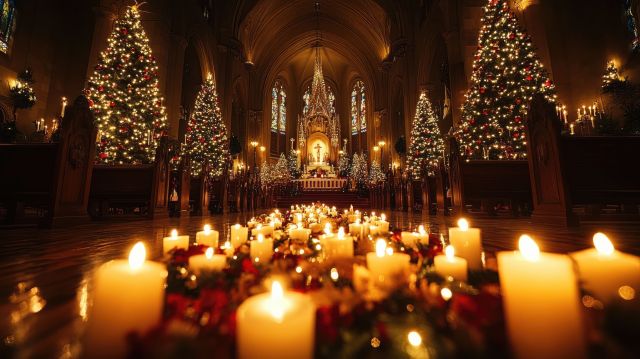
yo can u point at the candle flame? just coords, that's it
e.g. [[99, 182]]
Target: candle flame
[[463, 224], [381, 246], [389, 251], [259, 226], [450, 252], [174, 233], [421, 229], [383, 217], [209, 253], [603, 244], [341, 233], [277, 301], [237, 225], [528, 248], [358, 221], [327, 228], [137, 256], [260, 238], [207, 229], [414, 338]]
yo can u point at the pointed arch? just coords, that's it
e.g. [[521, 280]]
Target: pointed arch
[[278, 126], [358, 117]]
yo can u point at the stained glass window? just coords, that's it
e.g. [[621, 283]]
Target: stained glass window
[[306, 97], [278, 108], [7, 24], [358, 109]]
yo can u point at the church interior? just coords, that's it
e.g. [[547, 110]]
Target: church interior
[[320, 178]]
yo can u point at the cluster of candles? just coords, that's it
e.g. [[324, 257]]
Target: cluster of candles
[[41, 126], [540, 290]]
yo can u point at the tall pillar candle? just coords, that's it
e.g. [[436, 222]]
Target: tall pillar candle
[[541, 303], [448, 265], [208, 237], [385, 266], [467, 243], [239, 235], [261, 249], [128, 296], [276, 325], [604, 270], [174, 241], [338, 246]]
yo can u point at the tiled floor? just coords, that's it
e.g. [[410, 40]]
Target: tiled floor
[[59, 262]]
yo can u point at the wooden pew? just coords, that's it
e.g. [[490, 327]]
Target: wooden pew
[[140, 190], [51, 178], [570, 171], [489, 182]]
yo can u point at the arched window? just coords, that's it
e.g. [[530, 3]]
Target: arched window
[[278, 118], [7, 24], [358, 116], [307, 97]]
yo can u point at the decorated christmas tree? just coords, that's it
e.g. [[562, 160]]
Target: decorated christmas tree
[[375, 173], [266, 172], [280, 171], [294, 169], [506, 75], [22, 94], [359, 172], [611, 76], [124, 96], [206, 136], [343, 164], [426, 147]]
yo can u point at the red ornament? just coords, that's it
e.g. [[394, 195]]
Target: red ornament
[[518, 101], [547, 83], [483, 90], [103, 155], [518, 119], [90, 103], [112, 104], [529, 77], [125, 31], [100, 88], [512, 36]]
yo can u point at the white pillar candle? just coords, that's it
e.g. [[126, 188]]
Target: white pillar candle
[[337, 246], [276, 325], [207, 262], [366, 230], [423, 236], [239, 235], [541, 303], [448, 265], [261, 249], [208, 237], [467, 243], [174, 241], [383, 225], [374, 230], [299, 234], [409, 239], [385, 266], [128, 296], [355, 229], [266, 231], [603, 269]]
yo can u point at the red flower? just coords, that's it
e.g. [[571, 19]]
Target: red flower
[[248, 267]]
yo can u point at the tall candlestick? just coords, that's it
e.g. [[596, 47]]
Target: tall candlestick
[[541, 303], [128, 296], [276, 325], [64, 106], [604, 270], [467, 243]]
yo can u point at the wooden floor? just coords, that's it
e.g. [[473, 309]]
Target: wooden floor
[[59, 262]]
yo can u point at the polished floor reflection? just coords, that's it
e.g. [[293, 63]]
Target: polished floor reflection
[[44, 274]]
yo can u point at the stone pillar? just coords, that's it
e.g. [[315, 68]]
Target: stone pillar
[[457, 78], [173, 90]]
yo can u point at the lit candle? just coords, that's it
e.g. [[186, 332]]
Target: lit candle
[[207, 262], [467, 243], [423, 236], [64, 106], [208, 237], [338, 246], [541, 303], [355, 229], [449, 265], [239, 235], [261, 249], [276, 325], [409, 239], [315, 227], [299, 233], [383, 225], [174, 241], [603, 269], [264, 230], [384, 265], [128, 296]]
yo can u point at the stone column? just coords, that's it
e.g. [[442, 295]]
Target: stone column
[[173, 90]]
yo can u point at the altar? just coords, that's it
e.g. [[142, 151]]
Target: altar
[[322, 184]]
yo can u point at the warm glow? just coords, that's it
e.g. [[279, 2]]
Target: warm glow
[[414, 338], [341, 233], [174, 233], [421, 229], [259, 226], [449, 251], [603, 244], [237, 225], [528, 248], [327, 228], [358, 221], [334, 274], [260, 238], [207, 229], [381, 247], [383, 217], [389, 251], [463, 224], [137, 256], [446, 293], [277, 300], [209, 253]]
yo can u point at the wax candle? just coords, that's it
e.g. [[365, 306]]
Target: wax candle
[[276, 325], [409, 239], [450, 266], [315, 227], [264, 230], [299, 233], [261, 249], [337, 246], [208, 237], [207, 262], [229, 249], [373, 230], [603, 269], [174, 241], [383, 225], [239, 235], [385, 265], [355, 229], [423, 236], [541, 303], [128, 296], [467, 243]]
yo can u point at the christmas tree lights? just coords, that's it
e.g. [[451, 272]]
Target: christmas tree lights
[[611, 75], [375, 173], [426, 146], [22, 94], [206, 136], [506, 75], [124, 96]]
